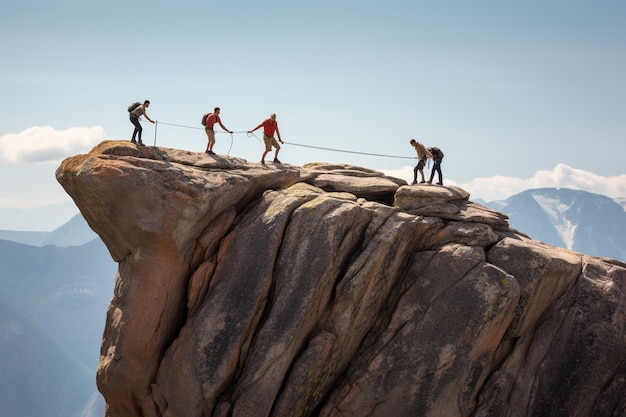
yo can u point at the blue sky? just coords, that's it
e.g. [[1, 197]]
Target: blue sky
[[518, 94]]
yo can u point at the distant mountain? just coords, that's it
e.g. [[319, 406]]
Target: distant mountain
[[55, 296], [73, 233], [39, 377], [65, 290], [38, 218], [585, 222]]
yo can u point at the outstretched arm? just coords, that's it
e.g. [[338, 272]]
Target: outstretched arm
[[278, 134], [250, 131], [224, 127]]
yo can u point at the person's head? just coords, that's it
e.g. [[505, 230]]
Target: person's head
[[216, 110], [413, 142], [146, 103], [273, 116]]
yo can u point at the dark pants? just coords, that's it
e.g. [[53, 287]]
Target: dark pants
[[418, 167], [137, 132], [436, 168]]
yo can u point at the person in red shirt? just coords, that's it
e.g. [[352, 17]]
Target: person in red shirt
[[269, 127], [211, 119]]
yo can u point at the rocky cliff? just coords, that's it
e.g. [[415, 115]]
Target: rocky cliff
[[327, 290]]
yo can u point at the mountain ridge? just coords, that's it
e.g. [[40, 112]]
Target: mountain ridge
[[51, 333], [74, 232], [37, 219], [574, 219]]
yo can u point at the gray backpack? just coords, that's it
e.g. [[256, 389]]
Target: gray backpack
[[133, 106]]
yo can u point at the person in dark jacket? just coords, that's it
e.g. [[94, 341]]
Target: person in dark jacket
[[437, 158], [134, 119]]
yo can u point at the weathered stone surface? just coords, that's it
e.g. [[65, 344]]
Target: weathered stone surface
[[450, 203], [362, 182], [332, 290]]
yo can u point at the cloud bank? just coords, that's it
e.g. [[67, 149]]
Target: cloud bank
[[46, 144], [562, 176]]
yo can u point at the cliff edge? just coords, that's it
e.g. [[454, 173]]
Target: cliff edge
[[331, 290]]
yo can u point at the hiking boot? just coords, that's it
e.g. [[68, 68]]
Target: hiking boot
[[276, 161], [140, 143], [133, 141], [430, 181], [440, 183], [414, 182], [262, 162], [422, 181], [210, 153]]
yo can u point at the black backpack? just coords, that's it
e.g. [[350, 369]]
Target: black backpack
[[133, 106], [204, 116], [437, 153]]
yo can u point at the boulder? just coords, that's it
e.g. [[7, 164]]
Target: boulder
[[332, 290]]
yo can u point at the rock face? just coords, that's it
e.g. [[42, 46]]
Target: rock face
[[326, 290]]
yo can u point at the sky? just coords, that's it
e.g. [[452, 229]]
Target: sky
[[518, 95]]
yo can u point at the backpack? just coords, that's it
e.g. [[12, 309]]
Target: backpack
[[133, 106], [437, 153], [204, 116]]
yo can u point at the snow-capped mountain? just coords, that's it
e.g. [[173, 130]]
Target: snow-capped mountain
[[578, 220]]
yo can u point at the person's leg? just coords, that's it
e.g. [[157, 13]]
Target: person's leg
[[135, 122], [432, 172], [267, 140], [415, 174], [139, 130], [440, 174], [420, 168], [277, 146], [211, 136]]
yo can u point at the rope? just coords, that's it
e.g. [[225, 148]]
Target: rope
[[354, 152], [252, 134], [231, 144], [248, 134], [339, 150], [198, 128]]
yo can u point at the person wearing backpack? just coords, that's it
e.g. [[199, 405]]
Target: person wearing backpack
[[270, 125], [422, 155], [211, 119], [437, 158], [136, 111]]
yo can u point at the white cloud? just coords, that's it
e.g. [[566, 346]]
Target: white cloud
[[562, 176], [45, 144]]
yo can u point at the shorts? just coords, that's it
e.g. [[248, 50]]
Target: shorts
[[269, 142], [421, 164], [211, 134]]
